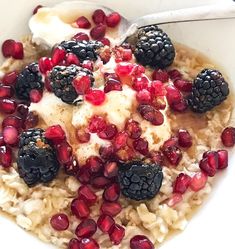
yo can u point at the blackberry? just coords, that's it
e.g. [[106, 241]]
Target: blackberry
[[61, 78], [29, 79], [84, 50], [209, 90], [139, 180], [37, 162], [154, 48]]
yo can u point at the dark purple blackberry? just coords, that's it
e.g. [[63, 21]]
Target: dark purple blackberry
[[209, 90], [84, 50], [139, 180], [30, 78], [154, 48], [61, 78], [37, 162]]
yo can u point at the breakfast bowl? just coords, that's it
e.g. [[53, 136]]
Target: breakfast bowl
[[185, 195]]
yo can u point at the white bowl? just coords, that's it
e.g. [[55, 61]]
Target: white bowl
[[213, 225]]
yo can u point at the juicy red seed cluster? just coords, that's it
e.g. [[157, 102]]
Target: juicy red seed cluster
[[95, 97], [174, 199], [5, 156], [11, 48], [81, 37], [83, 23], [228, 137], [181, 183], [122, 54], [9, 79], [160, 75], [141, 242], [184, 138], [86, 228], [198, 181], [183, 85], [112, 84], [60, 222], [133, 129]]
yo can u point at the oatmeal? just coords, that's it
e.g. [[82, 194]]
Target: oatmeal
[[107, 146]]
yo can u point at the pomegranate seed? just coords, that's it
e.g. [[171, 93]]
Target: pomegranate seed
[[183, 85], [173, 95], [81, 37], [160, 75], [7, 106], [105, 41], [127, 54], [209, 163], [133, 129], [141, 145], [86, 228], [82, 84], [31, 120], [198, 181], [174, 199], [184, 138], [74, 244], [86, 194], [88, 65], [47, 83], [138, 70], [181, 183], [22, 110], [95, 97], [64, 152], [109, 132], [105, 223], [113, 19], [1, 140], [228, 137], [8, 48], [120, 140], [80, 209], [125, 154], [140, 83], [124, 69], [111, 208], [98, 32], [18, 53], [13, 120], [88, 244], [10, 135], [71, 58], [156, 157], [72, 167], [222, 159], [106, 152], [96, 124], [112, 85], [83, 22], [99, 16], [55, 133], [45, 64], [180, 107], [60, 222], [58, 55], [157, 88], [174, 74], [84, 175], [112, 192], [151, 114], [5, 156], [9, 79], [100, 182], [6, 91], [141, 242], [173, 141], [110, 169], [95, 164], [35, 11], [173, 154], [159, 102], [82, 136], [112, 76], [117, 234], [144, 97], [35, 96]]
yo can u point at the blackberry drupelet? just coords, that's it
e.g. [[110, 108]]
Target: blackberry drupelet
[[139, 180], [29, 79], [37, 162], [154, 48], [84, 50], [209, 90], [61, 78]]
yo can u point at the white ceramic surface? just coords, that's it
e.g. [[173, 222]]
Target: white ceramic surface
[[213, 225]]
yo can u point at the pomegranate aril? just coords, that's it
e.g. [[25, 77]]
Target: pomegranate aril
[[105, 223], [71, 58], [140, 83], [157, 88], [74, 244], [124, 69], [98, 32], [8, 48], [64, 152], [95, 164], [12, 121], [174, 199], [83, 136], [198, 181], [84, 175], [80, 209], [112, 76], [112, 192], [120, 140], [22, 110], [222, 159], [110, 169], [209, 163], [86, 228], [151, 114], [85, 193], [141, 242], [141, 145], [9, 79], [81, 37], [133, 129], [82, 84], [7, 106], [60, 222], [160, 75], [113, 19], [5, 156], [138, 70], [35, 96], [173, 154], [111, 208], [125, 154], [105, 41], [45, 64], [112, 85], [144, 96], [106, 152], [58, 55], [117, 234], [174, 74], [72, 167], [99, 16], [96, 124], [159, 102], [88, 243], [181, 183], [173, 141], [83, 23], [31, 120], [109, 132], [100, 182], [180, 107], [183, 85], [228, 137], [6, 91], [88, 65], [18, 52], [156, 157], [10, 135], [55, 133], [184, 138], [95, 97], [173, 95], [1, 140]]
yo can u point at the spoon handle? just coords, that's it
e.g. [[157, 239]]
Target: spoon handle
[[208, 12]]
